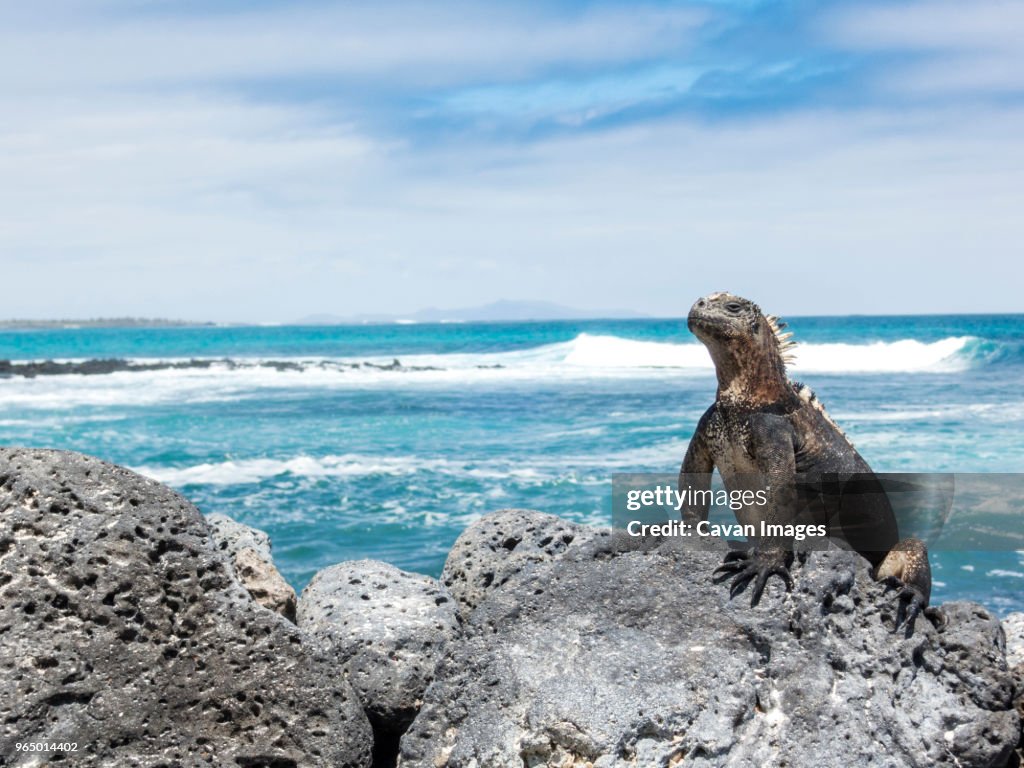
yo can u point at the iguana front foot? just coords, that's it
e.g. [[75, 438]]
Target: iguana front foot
[[744, 566], [911, 603], [905, 569]]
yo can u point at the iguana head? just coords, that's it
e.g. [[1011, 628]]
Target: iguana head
[[749, 349]]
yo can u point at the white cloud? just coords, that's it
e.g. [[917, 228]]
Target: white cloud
[[149, 173], [122, 196], [959, 47], [222, 210], [411, 43], [938, 26]]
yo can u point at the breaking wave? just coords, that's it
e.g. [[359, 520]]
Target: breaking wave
[[906, 355], [572, 469], [70, 384]]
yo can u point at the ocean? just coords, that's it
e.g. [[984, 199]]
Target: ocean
[[291, 431]]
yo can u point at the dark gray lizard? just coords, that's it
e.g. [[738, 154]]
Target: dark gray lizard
[[762, 425]]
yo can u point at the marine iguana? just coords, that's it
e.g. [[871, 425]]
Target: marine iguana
[[764, 425]]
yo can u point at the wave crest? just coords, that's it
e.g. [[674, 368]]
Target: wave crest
[[585, 357], [905, 355]]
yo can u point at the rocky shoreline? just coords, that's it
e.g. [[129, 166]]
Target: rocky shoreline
[[104, 366], [149, 635]]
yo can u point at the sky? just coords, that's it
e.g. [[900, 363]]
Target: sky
[[262, 161]]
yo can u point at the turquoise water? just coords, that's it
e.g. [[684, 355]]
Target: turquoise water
[[339, 462]]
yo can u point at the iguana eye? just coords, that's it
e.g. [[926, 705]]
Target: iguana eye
[[734, 307]]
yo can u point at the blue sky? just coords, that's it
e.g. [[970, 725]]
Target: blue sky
[[263, 161]]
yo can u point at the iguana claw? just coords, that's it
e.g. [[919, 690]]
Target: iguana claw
[[911, 603], [757, 566]]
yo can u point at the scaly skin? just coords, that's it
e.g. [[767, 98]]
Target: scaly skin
[[764, 426]]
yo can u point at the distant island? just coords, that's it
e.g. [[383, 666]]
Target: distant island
[[495, 312], [498, 311], [99, 322]]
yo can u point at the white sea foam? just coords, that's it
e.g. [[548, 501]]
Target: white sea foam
[[585, 357], [66, 392], [1006, 574], [574, 469], [904, 356], [256, 470], [588, 351], [1003, 412]]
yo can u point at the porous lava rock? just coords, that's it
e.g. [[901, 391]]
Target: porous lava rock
[[500, 545], [123, 631], [248, 551], [636, 658], [386, 629]]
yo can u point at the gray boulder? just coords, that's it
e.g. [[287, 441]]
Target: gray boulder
[[123, 631], [231, 536], [248, 551], [638, 659], [500, 545], [386, 629], [1013, 626]]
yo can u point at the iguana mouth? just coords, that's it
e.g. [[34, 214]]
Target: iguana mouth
[[703, 322], [706, 315]]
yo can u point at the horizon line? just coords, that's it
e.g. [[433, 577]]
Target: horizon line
[[146, 323]]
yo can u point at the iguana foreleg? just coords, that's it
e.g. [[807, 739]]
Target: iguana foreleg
[[905, 568], [696, 472], [771, 443]]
